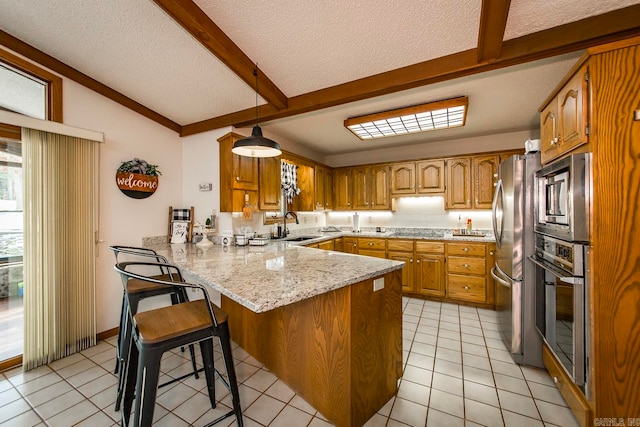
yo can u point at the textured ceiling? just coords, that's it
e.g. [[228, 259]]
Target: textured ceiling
[[530, 16], [135, 48], [499, 101], [304, 46]]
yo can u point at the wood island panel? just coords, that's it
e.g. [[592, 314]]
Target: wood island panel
[[341, 351]]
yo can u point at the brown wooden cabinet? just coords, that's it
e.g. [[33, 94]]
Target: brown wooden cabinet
[[423, 177], [338, 244], [458, 188], [485, 170], [270, 192], [372, 246], [429, 267], [371, 187], [430, 176], [403, 178], [564, 120], [467, 271], [238, 176], [350, 245], [343, 196], [323, 188], [305, 201]]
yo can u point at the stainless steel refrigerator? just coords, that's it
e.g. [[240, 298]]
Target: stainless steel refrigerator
[[514, 273]]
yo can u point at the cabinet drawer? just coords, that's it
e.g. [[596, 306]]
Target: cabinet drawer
[[400, 245], [466, 265], [430, 247], [469, 288], [372, 252], [372, 243], [466, 249]]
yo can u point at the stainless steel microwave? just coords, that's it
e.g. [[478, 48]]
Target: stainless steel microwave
[[563, 198]]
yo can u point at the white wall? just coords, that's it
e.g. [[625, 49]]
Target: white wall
[[124, 220], [497, 142]]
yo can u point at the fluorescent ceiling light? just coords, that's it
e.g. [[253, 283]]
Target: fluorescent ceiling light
[[418, 118]]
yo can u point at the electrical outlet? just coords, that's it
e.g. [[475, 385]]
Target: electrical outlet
[[378, 284]]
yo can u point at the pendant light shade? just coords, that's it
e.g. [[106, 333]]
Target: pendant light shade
[[256, 145]]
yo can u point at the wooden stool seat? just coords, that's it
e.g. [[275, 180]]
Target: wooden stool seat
[[173, 321], [138, 286]]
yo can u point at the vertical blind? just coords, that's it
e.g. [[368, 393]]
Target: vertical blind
[[59, 245]]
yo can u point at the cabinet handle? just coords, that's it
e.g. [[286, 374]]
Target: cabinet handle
[[370, 244], [554, 140], [410, 259], [418, 261], [237, 178], [466, 265], [465, 249], [495, 175], [491, 253], [348, 203], [466, 287]]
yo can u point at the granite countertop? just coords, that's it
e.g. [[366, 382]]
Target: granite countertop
[[396, 233], [262, 278]]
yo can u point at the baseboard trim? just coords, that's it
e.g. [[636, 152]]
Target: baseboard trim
[[107, 334]]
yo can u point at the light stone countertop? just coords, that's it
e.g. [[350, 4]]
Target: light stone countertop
[[262, 278], [399, 233]]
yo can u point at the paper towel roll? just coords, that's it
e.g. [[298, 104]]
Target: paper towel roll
[[356, 222]]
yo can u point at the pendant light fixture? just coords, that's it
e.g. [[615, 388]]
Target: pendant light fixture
[[256, 145]]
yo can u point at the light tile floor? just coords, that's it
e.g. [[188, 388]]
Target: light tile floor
[[457, 373]]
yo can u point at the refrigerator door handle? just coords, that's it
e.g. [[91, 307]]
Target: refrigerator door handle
[[500, 280], [494, 213]]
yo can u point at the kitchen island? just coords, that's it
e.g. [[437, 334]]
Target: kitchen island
[[328, 324]]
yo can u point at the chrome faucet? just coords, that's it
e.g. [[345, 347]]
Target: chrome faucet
[[284, 219]]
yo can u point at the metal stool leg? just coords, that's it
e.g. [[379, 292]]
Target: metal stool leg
[[206, 348], [225, 343], [146, 386], [125, 349]]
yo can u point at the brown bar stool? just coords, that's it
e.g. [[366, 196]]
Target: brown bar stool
[[138, 290], [160, 330]]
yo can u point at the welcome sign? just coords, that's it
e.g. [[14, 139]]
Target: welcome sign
[[137, 179]]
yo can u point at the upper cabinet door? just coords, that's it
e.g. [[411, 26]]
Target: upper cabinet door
[[458, 194], [328, 189], [403, 178], [245, 170], [485, 169], [361, 188], [572, 109], [379, 187], [430, 174], [343, 189], [320, 181], [549, 131], [270, 183]]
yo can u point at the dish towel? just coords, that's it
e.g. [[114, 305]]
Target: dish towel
[[289, 181]]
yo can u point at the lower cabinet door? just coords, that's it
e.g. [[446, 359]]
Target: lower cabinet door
[[407, 270], [468, 288], [429, 274]]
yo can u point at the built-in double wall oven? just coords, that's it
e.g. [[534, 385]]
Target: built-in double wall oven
[[561, 250]]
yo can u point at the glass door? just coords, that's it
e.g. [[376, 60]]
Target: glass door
[[11, 250]]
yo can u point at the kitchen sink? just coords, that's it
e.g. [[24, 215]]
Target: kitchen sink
[[300, 238]]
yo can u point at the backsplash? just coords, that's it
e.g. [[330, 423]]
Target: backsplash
[[414, 212], [411, 212]]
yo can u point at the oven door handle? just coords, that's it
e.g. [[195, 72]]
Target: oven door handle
[[499, 279], [557, 272]]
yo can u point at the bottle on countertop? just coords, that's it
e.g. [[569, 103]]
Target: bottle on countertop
[[469, 225]]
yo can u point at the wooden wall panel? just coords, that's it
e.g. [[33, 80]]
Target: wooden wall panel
[[616, 212]]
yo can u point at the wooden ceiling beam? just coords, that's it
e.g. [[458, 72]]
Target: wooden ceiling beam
[[605, 28], [63, 69], [197, 23], [493, 21]]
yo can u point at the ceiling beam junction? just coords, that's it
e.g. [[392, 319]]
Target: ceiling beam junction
[[197, 23], [608, 27], [493, 21]]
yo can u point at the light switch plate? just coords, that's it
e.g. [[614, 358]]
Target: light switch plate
[[205, 187], [378, 284]]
